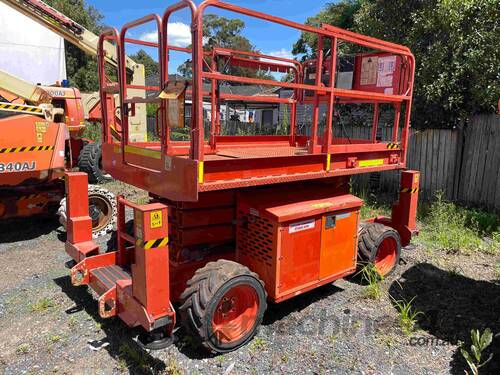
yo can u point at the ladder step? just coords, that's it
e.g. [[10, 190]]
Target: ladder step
[[109, 275]]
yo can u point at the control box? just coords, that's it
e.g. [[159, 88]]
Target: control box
[[297, 240]]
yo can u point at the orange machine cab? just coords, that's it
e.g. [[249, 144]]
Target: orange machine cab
[[296, 244]]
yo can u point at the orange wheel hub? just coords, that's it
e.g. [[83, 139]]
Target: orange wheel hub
[[386, 256], [235, 314]]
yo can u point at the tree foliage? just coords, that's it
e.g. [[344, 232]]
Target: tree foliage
[[151, 67], [455, 43], [340, 14], [225, 33], [81, 68]]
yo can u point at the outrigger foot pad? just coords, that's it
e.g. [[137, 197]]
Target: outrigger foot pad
[[155, 340]]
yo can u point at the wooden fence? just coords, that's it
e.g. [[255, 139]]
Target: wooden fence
[[463, 163]]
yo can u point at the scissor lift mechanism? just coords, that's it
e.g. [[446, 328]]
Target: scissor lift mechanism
[[208, 193]]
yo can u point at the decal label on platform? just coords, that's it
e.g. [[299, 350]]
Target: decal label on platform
[[303, 225]]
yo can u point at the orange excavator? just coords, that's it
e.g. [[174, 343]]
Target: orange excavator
[[41, 132], [40, 138]]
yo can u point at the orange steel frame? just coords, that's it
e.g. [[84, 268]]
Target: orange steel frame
[[197, 175], [181, 170]]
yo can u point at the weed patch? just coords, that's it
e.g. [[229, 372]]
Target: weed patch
[[371, 279], [372, 207], [23, 348], [173, 367], [133, 356], [407, 315], [41, 305], [258, 344], [448, 227], [480, 342]]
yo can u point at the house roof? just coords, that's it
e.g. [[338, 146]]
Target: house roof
[[246, 90]]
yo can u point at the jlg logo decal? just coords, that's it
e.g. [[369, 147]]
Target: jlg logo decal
[[17, 167]]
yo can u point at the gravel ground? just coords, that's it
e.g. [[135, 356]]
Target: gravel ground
[[49, 326]]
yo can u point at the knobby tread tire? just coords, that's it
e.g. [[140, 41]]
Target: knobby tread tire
[[89, 161], [370, 237], [199, 296], [93, 190]]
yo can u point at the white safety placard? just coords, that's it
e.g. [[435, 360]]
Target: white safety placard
[[300, 226]]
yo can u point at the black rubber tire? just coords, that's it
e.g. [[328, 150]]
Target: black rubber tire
[[371, 235], [90, 162], [205, 289], [103, 194]]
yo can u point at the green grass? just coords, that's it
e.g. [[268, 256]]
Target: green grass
[[258, 344], [134, 356], [173, 367], [371, 279], [23, 348], [55, 338], [449, 227], [41, 305], [497, 270], [407, 315], [372, 207]]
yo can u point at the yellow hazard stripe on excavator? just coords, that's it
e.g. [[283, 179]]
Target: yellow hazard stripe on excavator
[[153, 244], [10, 150], [20, 108], [29, 197], [411, 191], [393, 146]]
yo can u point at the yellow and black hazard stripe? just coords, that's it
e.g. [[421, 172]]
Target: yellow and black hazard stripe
[[10, 150], [29, 197], [411, 191], [153, 244], [21, 108], [393, 146]]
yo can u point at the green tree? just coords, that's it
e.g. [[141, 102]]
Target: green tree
[[226, 33], [455, 43], [81, 68], [340, 14], [151, 67]]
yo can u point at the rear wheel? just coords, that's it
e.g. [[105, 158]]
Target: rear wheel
[[223, 305], [102, 210], [90, 162], [380, 245]]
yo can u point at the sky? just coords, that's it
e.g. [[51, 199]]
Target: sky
[[268, 38]]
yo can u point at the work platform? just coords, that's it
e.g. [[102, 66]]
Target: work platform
[[382, 76]]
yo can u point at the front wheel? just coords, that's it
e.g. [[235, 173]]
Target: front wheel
[[223, 305]]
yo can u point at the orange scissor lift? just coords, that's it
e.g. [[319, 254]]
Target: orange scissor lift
[[238, 221]]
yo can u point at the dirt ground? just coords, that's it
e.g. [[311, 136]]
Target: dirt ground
[[49, 326]]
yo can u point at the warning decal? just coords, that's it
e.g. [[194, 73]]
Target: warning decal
[[156, 219], [303, 225], [369, 67], [386, 68]]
